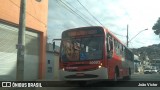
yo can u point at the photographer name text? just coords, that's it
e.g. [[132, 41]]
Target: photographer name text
[[148, 84]]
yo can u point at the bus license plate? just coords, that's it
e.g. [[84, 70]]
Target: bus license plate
[[80, 74]]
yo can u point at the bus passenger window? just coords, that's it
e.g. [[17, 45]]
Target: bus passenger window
[[109, 47], [86, 48]]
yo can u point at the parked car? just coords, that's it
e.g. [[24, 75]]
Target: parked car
[[147, 71], [154, 70]]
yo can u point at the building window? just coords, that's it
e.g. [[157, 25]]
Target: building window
[[49, 61], [49, 70]]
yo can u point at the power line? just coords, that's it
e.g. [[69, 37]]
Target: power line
[[118, 34], [129, 44], [79, 11], [74, 12], [139, 42], [96, 18], [90, 13], [28, 13]]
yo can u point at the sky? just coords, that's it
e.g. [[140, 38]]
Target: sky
[[114, 15]]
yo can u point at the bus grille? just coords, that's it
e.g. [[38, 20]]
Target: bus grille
[[85, 76], [86, 69], [79, 65]]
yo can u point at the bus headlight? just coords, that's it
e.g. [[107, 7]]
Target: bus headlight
[[63, 69], [99, 66]]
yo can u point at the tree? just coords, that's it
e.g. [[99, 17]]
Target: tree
[[156, 27]]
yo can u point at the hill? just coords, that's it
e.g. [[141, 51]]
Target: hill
[[152, 51]]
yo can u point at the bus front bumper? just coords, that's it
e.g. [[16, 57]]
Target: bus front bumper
[[98, 74]]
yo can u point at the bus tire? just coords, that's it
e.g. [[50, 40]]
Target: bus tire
[[129, 75], [116, 74]]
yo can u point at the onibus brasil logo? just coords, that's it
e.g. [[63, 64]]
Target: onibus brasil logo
[[17, 84]]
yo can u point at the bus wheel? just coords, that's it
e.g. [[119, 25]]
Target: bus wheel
[[116, 74], [129, 75]]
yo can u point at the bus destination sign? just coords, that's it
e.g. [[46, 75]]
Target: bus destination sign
[[82, 32]]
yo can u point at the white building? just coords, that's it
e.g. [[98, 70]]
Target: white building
[[137, 64], [52, 63]]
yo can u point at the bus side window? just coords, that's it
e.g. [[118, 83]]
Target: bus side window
[[109, 47], [86, 48]]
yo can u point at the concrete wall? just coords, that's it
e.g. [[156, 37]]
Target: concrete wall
[[54, 60], [56, 67], [36, 13], [50, 66]]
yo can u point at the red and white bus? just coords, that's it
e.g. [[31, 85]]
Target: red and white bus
[[93, 53]]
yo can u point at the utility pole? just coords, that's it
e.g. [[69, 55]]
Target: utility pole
[[21, 42], [127, 35]]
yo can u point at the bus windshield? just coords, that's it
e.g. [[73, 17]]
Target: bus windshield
[[82, 49]]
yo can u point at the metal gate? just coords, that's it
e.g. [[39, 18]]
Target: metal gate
[[8, 54]]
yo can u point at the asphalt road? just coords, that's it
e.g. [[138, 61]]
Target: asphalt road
[[103, 85], [146, 77], [135, 79]]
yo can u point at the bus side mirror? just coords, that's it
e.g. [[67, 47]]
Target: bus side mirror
[[53, 45]]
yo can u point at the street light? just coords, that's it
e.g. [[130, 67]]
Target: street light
[[136, 35]]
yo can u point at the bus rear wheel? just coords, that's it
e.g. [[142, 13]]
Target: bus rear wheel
[[129, 75], [116, 74]]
